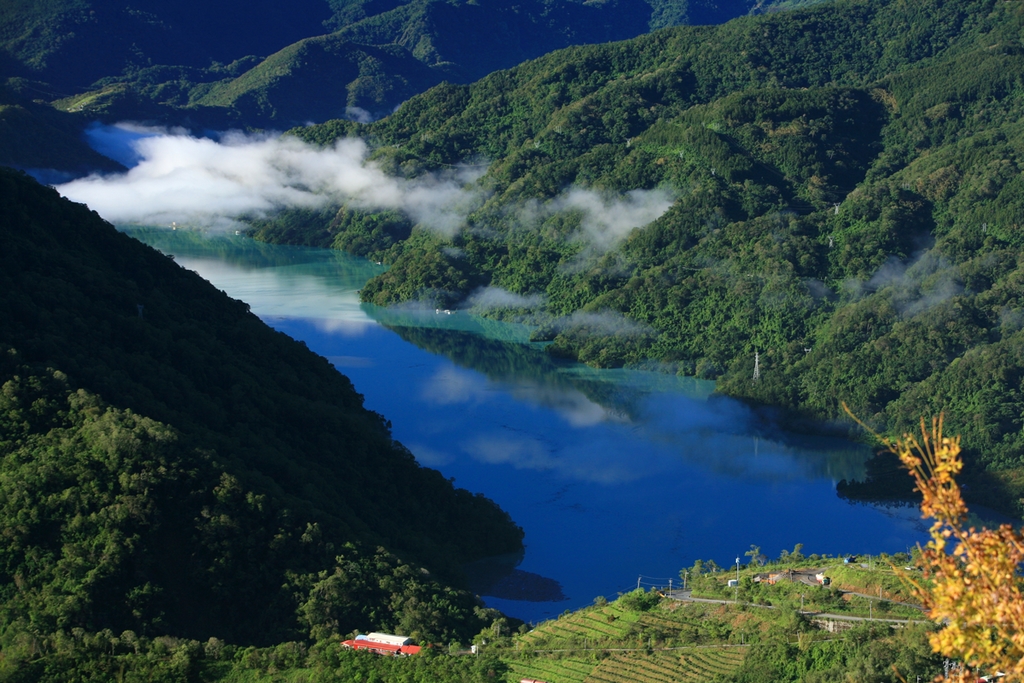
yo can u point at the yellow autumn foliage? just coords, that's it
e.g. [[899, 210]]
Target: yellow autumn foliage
[[972, 583]]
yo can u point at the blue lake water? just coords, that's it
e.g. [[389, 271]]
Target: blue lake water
[[615, 475]]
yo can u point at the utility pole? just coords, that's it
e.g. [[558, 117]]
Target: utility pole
[[638, 582], [736, 592]]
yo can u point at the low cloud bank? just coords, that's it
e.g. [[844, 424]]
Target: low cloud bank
[[177, 177], [181, 178]]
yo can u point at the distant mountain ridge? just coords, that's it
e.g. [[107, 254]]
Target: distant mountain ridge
[[276, 65], [72, 43]]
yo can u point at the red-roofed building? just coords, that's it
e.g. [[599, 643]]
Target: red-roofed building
[[380, 647]]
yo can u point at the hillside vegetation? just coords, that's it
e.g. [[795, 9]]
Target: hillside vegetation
[[384, 58], [847, 199], [47, 40], [754, 633], [274, 65], [173, 467]]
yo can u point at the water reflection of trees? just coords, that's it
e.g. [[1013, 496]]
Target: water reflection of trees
[[716, 435], [752, 457], [335, 267], [647, 400], [515, 364]]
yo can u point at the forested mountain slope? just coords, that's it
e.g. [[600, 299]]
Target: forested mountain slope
[[169, 465], [847, 206], [72, 43], [273, 65]]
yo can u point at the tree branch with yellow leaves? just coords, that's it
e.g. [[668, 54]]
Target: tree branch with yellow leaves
[[972, 580]]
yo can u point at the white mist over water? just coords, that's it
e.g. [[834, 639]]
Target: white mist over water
[[176, 177], [212, 183]]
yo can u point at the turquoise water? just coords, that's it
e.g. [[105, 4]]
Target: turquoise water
[[615, 475]]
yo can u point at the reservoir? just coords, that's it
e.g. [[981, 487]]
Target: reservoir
[[618, 477]]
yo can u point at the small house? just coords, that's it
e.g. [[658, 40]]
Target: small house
[[383, 644]]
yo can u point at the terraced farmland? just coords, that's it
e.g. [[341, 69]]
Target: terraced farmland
[[643, 639], [554, 670], [699, 664], [595, 626], [668, 622], [594, 646]]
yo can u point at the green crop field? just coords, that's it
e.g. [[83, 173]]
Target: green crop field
[[667, 667], [553, 670], [596, 625]]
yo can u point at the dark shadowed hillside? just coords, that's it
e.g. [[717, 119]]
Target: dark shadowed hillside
[[171, 465]]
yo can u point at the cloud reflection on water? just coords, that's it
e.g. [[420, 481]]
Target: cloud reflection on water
[[594, 460], [573, 406], [451, 386], [593, 443], [577, 456], [606, 412], [283, 292]]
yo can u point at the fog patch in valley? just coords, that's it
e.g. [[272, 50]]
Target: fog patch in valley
[[176, 177], [600, 324], [179, 178], [359, 115], [607, 220], [924, 282], [489, 298], [118, 142]]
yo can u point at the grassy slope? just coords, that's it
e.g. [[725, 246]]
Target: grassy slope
[[631, 641], [34, 135]]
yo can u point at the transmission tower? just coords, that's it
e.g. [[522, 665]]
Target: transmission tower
[[757, 366]]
